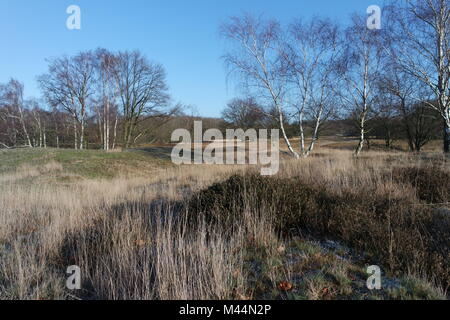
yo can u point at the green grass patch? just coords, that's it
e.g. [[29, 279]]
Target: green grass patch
[[92, 164]]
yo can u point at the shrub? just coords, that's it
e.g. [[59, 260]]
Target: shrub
[[391, 231], [431, 183]]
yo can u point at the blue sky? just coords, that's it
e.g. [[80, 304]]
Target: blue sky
[[181, 35]]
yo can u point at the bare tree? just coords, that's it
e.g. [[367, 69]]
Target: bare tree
[[244, 113], [255, 58], [11, 96], [310, 53], [39, 124], [108, 92], [142, 92], [424, 122], [404, 95], [359, 67], [421, 33], [69, 83]]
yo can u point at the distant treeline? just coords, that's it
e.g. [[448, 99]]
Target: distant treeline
[[309, 79]]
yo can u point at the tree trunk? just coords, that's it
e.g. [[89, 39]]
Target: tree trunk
[[362, 128], [285, 137], [115, 132], [45, 138], [100, 130], [25, 131], [315, 133], [388, 138], [447, 138], [129, 136], [302, 134], [75, 132], [82, 135], [126, 125], [106, 125], [56, 131]]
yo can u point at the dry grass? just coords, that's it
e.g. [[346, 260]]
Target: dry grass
[[47, 227], [135, 238]]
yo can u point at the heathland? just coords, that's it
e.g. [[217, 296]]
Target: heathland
[[140, 227]]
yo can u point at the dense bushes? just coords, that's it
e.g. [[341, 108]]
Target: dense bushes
[[397, 233], [431, 183]]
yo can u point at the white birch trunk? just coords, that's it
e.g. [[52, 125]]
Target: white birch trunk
[[302, 134], [75, 131], [362, 128], [115, 133], [106, 124], [24, 127], [315, 133]]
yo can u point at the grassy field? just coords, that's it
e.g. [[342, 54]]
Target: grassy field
[[91, 164], [142, 228]]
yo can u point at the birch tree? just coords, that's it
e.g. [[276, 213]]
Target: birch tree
[[69, 83], [359, 67], [310, 53], [421, 34], [255, 57], [12, 97], [39, 124], [107, 88]]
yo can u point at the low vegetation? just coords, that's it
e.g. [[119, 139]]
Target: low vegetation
[[82, 163], [223, 232]]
